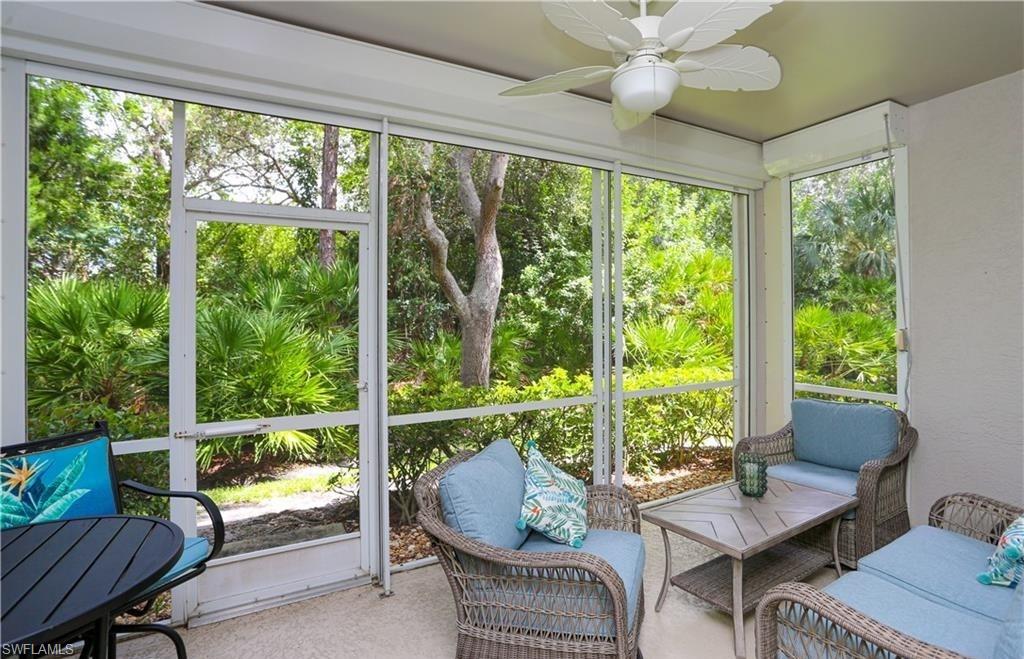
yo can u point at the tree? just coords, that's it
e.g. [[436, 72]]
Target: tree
[[477, 309], [328, 192]]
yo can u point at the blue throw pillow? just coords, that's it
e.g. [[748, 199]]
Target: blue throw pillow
[[843, 435], [481, 497], [60, 483]]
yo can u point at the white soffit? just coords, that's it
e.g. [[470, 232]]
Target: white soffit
[[843, 138], [212, 49]]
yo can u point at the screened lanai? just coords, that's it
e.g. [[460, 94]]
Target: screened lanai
[[298, 257]]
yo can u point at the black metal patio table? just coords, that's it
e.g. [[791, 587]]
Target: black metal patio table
[[66, 578]]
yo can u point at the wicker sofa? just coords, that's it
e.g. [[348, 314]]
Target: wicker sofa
[[852, 449], [916, 597], [538, 599]]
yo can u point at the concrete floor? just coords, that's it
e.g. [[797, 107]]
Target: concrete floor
[[418, 621]]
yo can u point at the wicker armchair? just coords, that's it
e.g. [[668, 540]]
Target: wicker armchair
[[815, 624], [881, 489], [503, 598]]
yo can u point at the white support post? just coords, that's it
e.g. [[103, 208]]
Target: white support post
[[384, 490], [13, 256], [617, 247], [741, 315], [182, 365], [600, 437], [608, 281], [786, 226], [902, 208]]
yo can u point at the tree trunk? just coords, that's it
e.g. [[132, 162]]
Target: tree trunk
[[328, 193], [477, 309], [477, 332]]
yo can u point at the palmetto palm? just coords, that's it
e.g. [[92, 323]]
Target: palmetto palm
[[94, 341]]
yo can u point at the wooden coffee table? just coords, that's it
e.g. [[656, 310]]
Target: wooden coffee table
[[752, 535]]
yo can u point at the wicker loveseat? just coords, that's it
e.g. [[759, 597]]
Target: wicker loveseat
[[539, 599], [852, 449], [916, 597]]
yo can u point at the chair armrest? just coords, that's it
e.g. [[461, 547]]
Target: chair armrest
[[973, 515], [482, 574], [835, 625], [776, 448], [205, 501], [882, 490], [612, 507]]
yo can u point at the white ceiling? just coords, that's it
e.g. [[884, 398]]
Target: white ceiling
[[836, 56]]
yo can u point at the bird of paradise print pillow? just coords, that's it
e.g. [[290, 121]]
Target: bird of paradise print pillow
[[61, 483]]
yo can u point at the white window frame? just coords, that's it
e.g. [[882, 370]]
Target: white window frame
[[599, 183], [741, 382], [900, 188], [606, 218]]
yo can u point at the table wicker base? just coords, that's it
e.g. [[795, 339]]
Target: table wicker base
[[712, 581]]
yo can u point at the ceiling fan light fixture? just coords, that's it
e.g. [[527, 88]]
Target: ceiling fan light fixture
[[646, 86], [643, 81]]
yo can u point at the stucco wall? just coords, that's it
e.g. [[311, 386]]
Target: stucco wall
[[967, 291]]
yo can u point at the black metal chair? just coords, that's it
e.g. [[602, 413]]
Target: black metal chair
[[31, 458]]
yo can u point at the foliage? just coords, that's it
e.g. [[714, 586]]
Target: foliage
[[844, 228], [94, 342], [258, 492], [276, 328], [660, 431]]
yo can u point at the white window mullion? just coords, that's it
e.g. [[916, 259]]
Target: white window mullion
[[182, 366], [617, 248], [786, 226], [13, 257], [380, 412], [902, 209], [597, 224]]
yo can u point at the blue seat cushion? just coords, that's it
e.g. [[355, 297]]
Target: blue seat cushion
[[1010, 642], [916, 616], [195, 552], [482, 497], [625, 553], [941, 566], [60, 483], [809, 474], [842, 435]]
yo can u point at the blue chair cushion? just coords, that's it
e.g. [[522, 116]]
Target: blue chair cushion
[[60, 483], [842, 435], [810, 474], [482, 497], [941, 566], [1010, 642], [195, 552], [624, 551], [924, 619]]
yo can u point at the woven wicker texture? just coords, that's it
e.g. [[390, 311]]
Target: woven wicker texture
[[882, 514], [518, 605], [798, 620]]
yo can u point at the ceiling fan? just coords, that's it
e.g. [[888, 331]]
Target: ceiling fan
[[646, 75]]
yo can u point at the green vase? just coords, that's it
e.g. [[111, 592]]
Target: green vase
[[752, 474]]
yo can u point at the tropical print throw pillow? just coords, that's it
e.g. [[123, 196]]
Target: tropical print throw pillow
[[1006, 565], [555, 503], [61, 483]]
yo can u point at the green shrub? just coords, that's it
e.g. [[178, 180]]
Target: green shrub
[[659, 431]]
